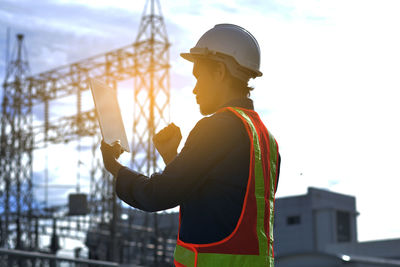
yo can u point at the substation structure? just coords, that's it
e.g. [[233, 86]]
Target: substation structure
[[141, 238]]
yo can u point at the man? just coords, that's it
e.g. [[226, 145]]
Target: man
[[225, 177]]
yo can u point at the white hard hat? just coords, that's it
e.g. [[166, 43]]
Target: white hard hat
[[232, 45]]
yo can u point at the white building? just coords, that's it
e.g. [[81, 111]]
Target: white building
[[320, 229]]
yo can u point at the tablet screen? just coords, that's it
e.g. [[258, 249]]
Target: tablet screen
[[108, 113]]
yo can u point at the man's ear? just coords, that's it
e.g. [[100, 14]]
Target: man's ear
[[220, 72]]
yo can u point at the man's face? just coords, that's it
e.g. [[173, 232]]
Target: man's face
[[206, 91]]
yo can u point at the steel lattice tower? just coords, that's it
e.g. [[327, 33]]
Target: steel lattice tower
[[151, 95], [16, 152]]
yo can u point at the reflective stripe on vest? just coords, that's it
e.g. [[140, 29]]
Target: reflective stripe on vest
[[189, 255]]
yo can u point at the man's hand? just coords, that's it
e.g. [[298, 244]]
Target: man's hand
[[110, 156], [167, 141]]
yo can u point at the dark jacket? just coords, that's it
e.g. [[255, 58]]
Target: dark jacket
[[207, 179]]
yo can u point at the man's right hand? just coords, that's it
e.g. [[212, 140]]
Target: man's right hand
[[110, 156], [167, 141]]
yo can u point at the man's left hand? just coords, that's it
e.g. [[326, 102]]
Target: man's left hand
[[110, 156], [167, 141]]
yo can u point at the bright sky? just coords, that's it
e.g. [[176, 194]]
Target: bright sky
[[329, 91]]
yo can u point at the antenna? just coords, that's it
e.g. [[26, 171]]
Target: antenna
[[7, 48]]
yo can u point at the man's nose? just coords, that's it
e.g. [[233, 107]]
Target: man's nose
[[195, 90]]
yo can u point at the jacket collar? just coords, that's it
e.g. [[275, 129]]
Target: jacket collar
[[246, 103]]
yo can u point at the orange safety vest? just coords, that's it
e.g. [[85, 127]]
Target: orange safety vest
[[251, 242]]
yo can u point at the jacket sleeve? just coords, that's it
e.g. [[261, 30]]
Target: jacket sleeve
[[208, 143]]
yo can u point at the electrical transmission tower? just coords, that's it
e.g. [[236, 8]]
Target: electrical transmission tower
[[16, 152], [147, 62], [151, 96]]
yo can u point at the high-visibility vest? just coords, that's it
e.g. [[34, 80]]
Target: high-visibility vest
[[251, 242]]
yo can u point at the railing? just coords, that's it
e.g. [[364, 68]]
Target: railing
[[19, 258]]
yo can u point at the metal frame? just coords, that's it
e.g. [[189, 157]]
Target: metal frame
[[146, 61]]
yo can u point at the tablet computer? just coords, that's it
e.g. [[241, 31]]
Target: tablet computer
[[108, 113]]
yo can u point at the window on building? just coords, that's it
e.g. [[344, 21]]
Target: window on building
[[293, 220], [343, 226]]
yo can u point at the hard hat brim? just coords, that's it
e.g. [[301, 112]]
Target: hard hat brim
[[192, 56], [188, 56]]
